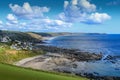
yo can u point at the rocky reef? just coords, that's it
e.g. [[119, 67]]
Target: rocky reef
[[73, 54]]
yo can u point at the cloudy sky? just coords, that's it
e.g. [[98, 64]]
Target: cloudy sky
[[89, 16]]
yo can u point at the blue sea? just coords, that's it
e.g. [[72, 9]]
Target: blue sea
[[107, 44]]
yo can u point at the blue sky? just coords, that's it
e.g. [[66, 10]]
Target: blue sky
[[87, 16]]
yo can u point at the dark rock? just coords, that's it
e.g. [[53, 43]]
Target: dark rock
[[74, 65], [113, 62], [109, 57], [72, 54], [96, 73]]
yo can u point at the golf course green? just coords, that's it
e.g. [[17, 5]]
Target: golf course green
[[8, 72]]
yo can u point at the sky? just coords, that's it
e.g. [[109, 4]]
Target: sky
[[84, 16]]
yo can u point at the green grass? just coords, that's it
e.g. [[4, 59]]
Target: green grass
[[2, 50], [10, 56], [8, 72]]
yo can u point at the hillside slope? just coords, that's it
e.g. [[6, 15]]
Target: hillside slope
[[14, 73], [28, 36]]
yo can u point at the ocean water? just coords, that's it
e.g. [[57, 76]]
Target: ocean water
[[108, 44], [105, 43]]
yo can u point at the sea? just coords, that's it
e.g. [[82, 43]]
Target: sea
[[107, 44]]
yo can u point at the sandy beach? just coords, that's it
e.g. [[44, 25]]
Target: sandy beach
[[49, 61]]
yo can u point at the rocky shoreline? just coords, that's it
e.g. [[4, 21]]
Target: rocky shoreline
[[58, 62], [73, 54], [58, 59], [63, 60]]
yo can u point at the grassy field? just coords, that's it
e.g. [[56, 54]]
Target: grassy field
[[8, 72], [10, 56]]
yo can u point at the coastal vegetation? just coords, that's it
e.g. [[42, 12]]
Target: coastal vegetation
[[8, 72], [8, 55]]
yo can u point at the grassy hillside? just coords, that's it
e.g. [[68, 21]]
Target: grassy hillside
[[53, 34], [29, 36], [8, 55], [21, 36], [8, 72]]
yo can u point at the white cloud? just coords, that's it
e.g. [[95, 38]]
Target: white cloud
[[49, 24], [1, 22], [74, 2], [15, 27], [12, 19], [8, 24], [55, 23], [66, 3], [39, 25], [23, 24], [81, 5], [31, 18], [27, 11], [98, 18], [82, 11], [87, 5]]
